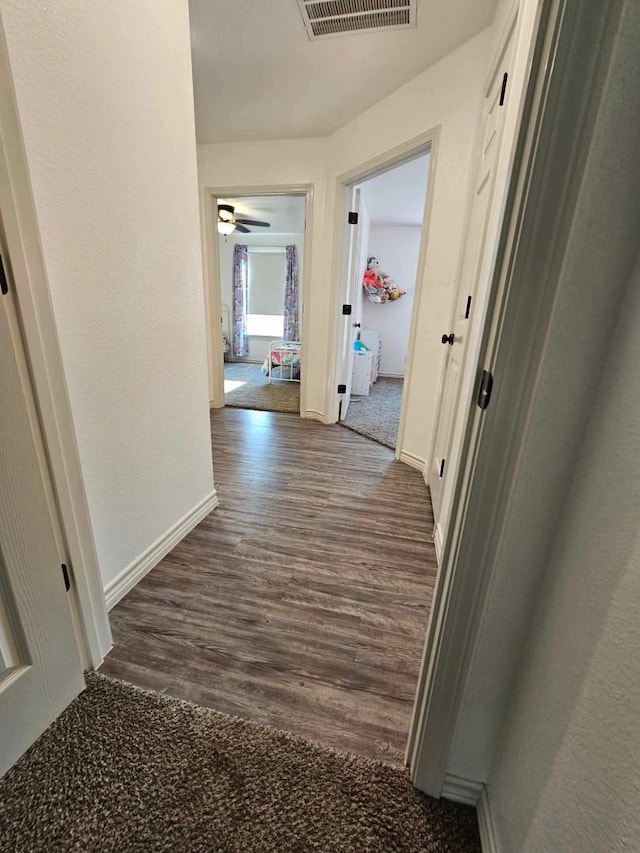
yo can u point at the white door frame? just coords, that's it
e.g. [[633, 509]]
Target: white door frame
[[213, 290], [345, 357], [548, 163], [407, 151], [29, 275]]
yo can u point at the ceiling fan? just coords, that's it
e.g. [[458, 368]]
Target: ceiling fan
[[228, 223]]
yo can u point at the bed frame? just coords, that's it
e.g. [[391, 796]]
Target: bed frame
[[291, 350]]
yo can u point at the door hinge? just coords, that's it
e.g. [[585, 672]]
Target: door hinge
[[346, 309], [353, 217], [442, 464], [66, 578], [4, 285], [484, 392], [503, 91], [342, 389]]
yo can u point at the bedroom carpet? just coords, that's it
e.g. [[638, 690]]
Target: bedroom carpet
[[124, 769], [378, 415], [246, 387]]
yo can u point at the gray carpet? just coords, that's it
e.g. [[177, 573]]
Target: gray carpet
[[378, 415], [125, 769], [253, 390]]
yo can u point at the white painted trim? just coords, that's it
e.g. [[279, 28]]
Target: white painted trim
[[414, 461], [476, 794], [486, 824], [213, 291], [49, 381], [418, 298], [438, 543], [315, 415], [539, 199], [461, 790], [135, 571], [431, 727]]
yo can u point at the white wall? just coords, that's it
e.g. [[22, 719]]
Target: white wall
[[258, 346], [397, 248], [566, 775], [447, 95], [105, 101]]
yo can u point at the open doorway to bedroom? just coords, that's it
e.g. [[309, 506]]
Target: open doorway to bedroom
[[260, 255], [384, 257]]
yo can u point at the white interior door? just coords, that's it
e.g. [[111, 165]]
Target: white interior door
[[349, 326], [473, 282], [40, 670]]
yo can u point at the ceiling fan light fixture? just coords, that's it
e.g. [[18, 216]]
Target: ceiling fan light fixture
[[226, 227]]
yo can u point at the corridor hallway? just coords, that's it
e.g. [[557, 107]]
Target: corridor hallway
[[302, 601]]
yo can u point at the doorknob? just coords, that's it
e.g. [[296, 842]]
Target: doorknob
[[357, 325], [448, 339]]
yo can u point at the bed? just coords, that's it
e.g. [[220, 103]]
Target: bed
[[283, 361]]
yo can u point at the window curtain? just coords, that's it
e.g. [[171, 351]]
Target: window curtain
[[240, 299], [291, 325]]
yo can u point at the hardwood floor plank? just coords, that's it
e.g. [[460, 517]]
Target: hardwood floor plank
[[302, 602]]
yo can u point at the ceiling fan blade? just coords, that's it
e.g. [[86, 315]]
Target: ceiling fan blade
[[254, 222], [242, 229]]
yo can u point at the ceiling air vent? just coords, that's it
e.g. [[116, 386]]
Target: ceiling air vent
[[326, 18]]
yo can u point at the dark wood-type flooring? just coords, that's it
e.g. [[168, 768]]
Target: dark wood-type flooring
[[302, 601]]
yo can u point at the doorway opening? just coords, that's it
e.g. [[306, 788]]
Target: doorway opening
[[384, 238], [384, 269], [260, 241]]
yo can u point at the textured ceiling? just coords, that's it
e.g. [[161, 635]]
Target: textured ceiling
[[284, 212], [397, 197], [257, 75]]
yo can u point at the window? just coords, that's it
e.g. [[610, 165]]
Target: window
[[266, 279], [265, 325]]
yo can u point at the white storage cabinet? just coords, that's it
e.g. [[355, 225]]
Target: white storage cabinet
[[362, 376]]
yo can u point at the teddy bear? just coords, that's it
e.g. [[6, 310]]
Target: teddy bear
[[372, 281], [378, 285]]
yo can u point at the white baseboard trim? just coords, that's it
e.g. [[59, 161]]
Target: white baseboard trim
[[135, 571], [461, 790], [437, 541], [314, 415], [488, 837], [414, 462]]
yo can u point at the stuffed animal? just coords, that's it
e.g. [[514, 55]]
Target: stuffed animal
[[379, 286], [372, 281]]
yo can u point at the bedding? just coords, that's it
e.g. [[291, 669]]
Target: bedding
[[285, 357]]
